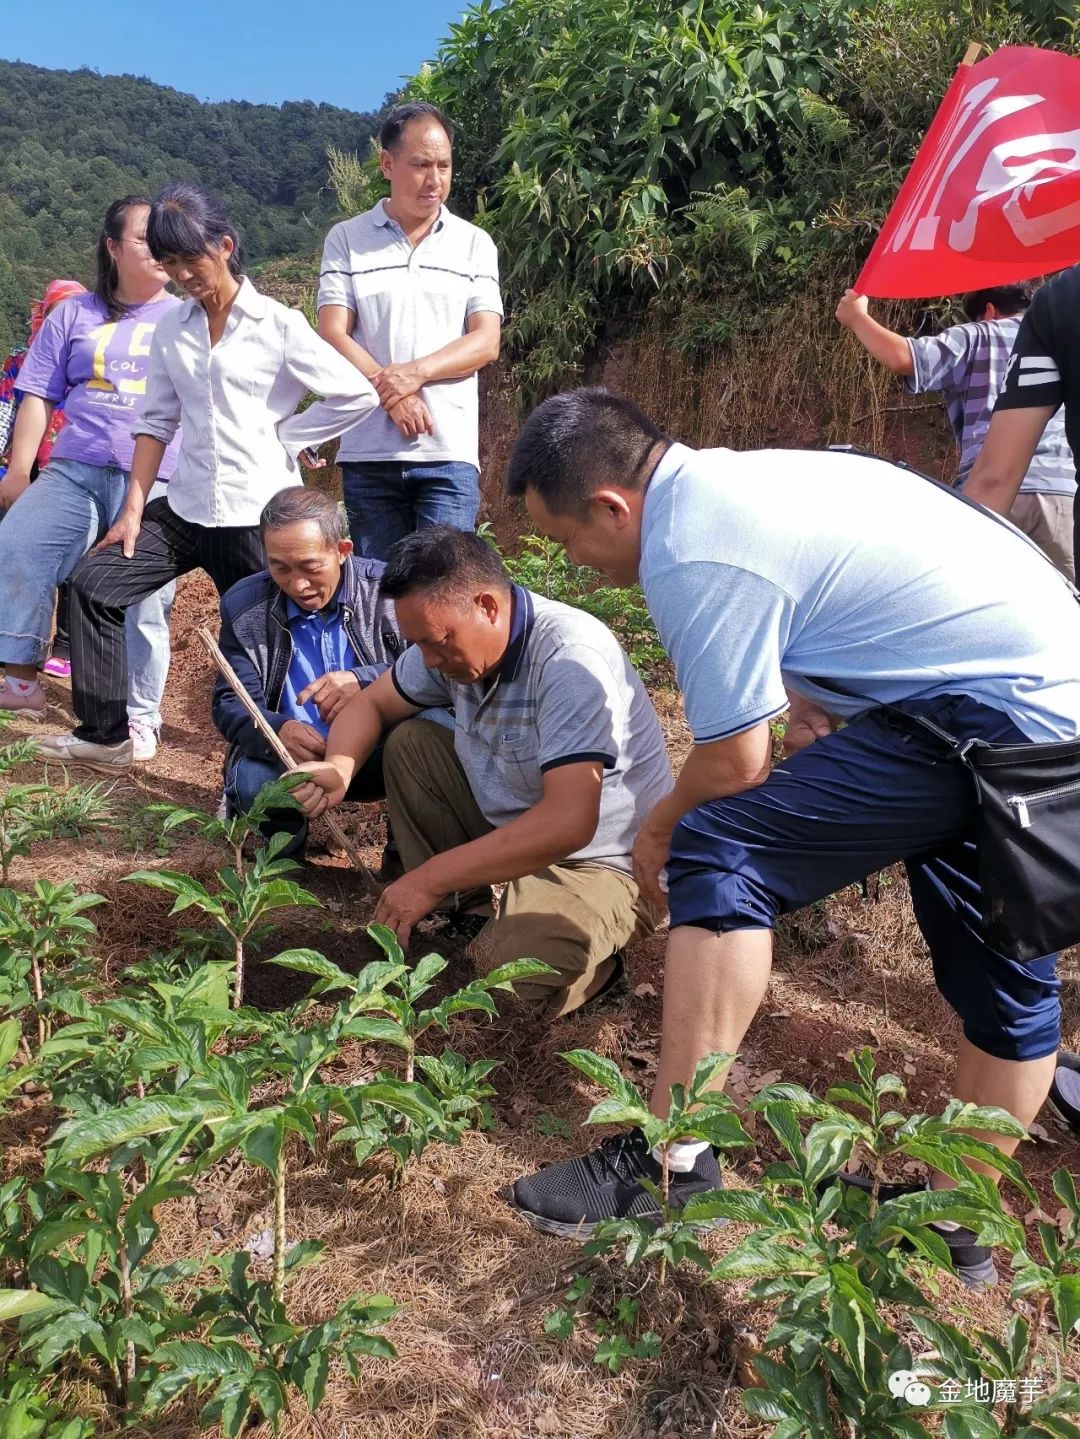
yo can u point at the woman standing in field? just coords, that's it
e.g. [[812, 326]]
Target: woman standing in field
[[90, 354], [231, 366], [58, 662]]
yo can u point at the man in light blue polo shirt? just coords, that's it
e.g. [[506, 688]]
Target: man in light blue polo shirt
[[831, 585], [410, 294], [554, 761]]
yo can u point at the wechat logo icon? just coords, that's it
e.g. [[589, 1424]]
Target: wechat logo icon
[[906, 1384]]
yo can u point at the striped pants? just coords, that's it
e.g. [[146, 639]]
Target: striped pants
[[104, 585]]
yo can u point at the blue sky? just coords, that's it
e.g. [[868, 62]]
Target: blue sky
[[346, 52]]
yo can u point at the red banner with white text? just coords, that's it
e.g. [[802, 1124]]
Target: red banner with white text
[[993, 194]]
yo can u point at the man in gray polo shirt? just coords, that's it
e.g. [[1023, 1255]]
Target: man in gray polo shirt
[[410, 294], [555, 759]]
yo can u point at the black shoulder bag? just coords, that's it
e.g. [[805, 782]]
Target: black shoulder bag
[[1028, 823]]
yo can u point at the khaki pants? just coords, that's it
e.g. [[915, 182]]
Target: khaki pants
[[573, 916], [1048, 520]]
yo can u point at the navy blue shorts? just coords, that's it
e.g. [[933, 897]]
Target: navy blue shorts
[[880, 790]]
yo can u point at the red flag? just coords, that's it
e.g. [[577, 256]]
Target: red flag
[[993, 195]]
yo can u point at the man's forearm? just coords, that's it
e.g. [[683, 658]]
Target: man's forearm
[[354, 736], [704, 778], [536, 839], [355, 353], [885, 345], [457, 360], [1007, 451]]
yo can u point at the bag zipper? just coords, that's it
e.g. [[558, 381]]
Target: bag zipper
[[1020, 802]]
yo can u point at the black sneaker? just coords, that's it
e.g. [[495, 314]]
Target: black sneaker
[[1065, 1089], [570, 1199], [973, 1263]]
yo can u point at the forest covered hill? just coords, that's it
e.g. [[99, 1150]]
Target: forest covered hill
[[72, 141]]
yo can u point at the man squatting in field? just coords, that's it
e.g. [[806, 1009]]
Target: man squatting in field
[[554, 760], [808, 579]]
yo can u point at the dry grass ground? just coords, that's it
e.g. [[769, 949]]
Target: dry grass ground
[[474, 1283]]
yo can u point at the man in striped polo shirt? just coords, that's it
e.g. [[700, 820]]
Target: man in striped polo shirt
[[554, 760], [410, 294], [967, 364]]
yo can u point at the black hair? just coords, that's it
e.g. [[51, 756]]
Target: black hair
[[574, 444], [393, 127], [442, 561], [185, 219], [297, 506], [1006, 299], [112, 228]]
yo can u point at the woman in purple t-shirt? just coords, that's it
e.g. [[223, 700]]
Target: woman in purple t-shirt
[[92, 354]]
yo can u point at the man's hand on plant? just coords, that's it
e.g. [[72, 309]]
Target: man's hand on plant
[[11, 487], [396, 382], [303, 741], [404, 902], [412, 417], [331, 693], [851, 307], [324, 789]]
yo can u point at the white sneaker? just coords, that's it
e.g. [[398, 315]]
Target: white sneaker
[[222, 811], [144, 739], [106, 758], [23, 697]]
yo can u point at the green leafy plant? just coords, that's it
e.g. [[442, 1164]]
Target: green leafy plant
[[403, 1115], [26, 1411], [39, 811], [247, 893], [698, 1111], [254, 1378], [44, 938]]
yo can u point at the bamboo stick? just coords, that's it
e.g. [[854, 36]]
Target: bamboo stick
[[367, 879]]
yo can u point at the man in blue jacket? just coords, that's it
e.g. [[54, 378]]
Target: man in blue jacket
[[304, 636]]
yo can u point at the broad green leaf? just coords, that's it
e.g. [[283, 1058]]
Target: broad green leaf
[[376, 1029], [387, 941], [10, 1035], [761, 1257], [411, 1100], [606, 1073], [616, 1111], [745, 1206], [188, 891], [1066, 1294], [310, 961], [14, 1303], [510, 973], [79, 1139], [262, 1145]]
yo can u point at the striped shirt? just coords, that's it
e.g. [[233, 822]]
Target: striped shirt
[[410, 301], [967, 363]]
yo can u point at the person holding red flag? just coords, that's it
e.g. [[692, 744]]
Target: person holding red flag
[[967, 364]]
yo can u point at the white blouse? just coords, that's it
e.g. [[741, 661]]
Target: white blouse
[[236, 402]]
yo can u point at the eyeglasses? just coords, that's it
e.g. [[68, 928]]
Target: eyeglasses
[[134, 240]]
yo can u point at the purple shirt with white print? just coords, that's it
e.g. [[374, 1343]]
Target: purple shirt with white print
[[100, 366]]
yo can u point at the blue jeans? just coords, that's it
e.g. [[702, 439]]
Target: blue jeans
[[386, 500], [880, 790], [245, 777], [43, 536]]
